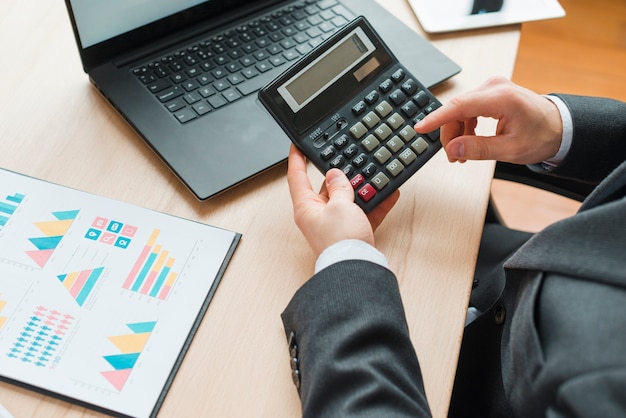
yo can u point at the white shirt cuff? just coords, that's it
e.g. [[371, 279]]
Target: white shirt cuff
[[566, 138], [350, 249]]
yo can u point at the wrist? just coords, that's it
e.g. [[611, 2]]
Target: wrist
[[349, 249]]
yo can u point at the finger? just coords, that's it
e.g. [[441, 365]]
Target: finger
[[297, 177], [481, 148], [338, 185], [378, 214], [461, 108]]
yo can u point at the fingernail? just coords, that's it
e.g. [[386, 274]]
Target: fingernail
[[457, 150]]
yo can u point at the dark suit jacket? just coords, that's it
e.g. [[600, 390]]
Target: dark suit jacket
[[552, 344]]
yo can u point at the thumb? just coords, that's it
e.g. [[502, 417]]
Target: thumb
[[338, 185], [473, 148]]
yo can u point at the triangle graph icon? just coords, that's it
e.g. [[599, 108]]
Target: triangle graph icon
[[117, 378]]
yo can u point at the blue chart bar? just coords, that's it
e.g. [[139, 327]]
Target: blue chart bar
[[8, 207]]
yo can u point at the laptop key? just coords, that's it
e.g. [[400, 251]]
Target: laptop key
[[185, 115]]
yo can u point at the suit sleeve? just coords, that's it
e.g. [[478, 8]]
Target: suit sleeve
[[599, 141], [350, 346]]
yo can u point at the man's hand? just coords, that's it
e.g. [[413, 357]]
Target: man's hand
[[331, 215], [529, 125]]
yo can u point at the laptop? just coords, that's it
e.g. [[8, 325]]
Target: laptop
[[184, 74]]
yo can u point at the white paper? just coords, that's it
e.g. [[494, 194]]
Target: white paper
[[97, 297], [451, 15]]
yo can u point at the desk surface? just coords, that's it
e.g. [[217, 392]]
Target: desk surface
[[55, 126]]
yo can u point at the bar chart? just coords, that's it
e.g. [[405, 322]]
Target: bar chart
[[8, 206], [152, 273]]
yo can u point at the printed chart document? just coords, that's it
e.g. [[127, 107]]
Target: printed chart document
[[99, 299]]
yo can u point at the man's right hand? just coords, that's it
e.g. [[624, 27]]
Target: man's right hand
[[529, 125]]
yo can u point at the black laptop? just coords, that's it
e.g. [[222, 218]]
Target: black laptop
[[184, 74]]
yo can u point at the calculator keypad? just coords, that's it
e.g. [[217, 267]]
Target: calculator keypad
[[381, 148]]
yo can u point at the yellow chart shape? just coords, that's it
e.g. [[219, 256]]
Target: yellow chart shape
[[131, 343], [54, 228]]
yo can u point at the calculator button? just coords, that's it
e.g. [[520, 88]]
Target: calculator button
[[327, 153], [360, 160], [421, 99], [419, 145], [384, 109], [385, 86], [434, 135], [367, 192], [351, 151], [370, 143], [431, 108], [338, 162], [348, 170], [371, 98], [369, 170], [407, 156], [382, 155], [358, 130], [398, 75], [383, 131], [370, 120], [397, 97], [419, 117], [357, 180], [380, 180], [342, 141], [407, 133], [395, 121], [394, 168], [409, 87], [359, 108], [409, 109], [395, 144]]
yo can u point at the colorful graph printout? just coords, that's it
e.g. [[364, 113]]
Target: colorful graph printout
[[8, 205], [80, 284], [41, 336], [152, 273], [53, 234], [130, 347]]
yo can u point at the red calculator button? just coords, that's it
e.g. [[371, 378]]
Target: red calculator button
[[357, 180], [367, 192]]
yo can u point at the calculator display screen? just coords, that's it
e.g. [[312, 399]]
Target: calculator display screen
[[320, 74]]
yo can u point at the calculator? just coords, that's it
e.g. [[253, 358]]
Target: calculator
[[350, 104]]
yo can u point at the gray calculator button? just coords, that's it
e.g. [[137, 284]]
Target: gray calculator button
[[383, 132], [358, 130], [407, 156], [370, 143], [380, 180], [395, 121], [370, 120], [382, 155], [383, 109], [395, 168], [407, 133], [395, 144], [419, 145]]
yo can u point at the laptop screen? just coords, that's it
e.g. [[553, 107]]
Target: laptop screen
[[106, 29], [98, 20]]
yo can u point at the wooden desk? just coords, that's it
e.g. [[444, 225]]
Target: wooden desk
[[55, 126]]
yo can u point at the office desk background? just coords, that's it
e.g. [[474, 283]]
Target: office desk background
[[55, 126]]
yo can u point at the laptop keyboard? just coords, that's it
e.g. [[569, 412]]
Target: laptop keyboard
[[212, 73]]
